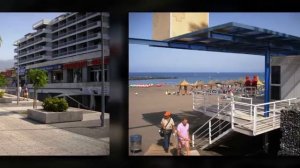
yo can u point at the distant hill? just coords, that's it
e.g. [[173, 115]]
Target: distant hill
[[6, 64]]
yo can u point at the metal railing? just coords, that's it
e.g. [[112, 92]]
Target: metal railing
[[79, 104], [264, 120], [212, 130], [242, 114]]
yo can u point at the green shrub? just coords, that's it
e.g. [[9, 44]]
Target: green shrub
[[1, 94], [55, 104]]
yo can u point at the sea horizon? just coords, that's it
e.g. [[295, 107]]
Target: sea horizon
[[171, 78]]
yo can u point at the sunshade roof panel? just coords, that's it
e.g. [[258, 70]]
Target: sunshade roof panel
[[240, 38]]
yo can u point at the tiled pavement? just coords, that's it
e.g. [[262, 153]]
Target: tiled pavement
[[21, 136]]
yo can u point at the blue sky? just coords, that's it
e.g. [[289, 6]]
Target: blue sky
[[151, 59], [14, 26]]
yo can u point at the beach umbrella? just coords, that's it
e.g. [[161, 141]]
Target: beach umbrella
[[198, 83], [259, 83], [184, 83]]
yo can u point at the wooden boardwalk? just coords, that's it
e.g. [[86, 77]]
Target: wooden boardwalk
[[157, 150]]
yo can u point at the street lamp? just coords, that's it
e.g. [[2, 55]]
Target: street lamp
[[18, 70], [103, 76]]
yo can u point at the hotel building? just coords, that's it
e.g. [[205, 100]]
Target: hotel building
[[69, 48]]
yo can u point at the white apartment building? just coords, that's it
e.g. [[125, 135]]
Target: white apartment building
[[69, 48]]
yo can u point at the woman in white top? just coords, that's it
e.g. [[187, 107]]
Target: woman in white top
[[167, 124]]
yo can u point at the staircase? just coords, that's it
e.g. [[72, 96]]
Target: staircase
[[213, 131], [237, 116]]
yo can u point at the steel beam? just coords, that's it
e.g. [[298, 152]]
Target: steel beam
[[267, 81]]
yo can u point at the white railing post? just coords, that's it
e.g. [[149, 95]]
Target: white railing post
[[209, 132], [204, 96], [232, 112], [218, 103], [193, 140], [193, 101], [254, 120], [289, 102], [251, 115], [274, 108]]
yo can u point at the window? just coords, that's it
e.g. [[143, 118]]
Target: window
[[57, 76], [77, 75], [275, 75], [95, 74]]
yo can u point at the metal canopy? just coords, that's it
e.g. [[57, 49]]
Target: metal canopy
[[233, 38]]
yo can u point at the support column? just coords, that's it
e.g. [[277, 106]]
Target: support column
[[65, 76], [49, 76], [267, 80], [84, 74]]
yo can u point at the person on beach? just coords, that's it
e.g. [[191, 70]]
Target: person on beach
[[254, 84], [179, 90], [185, 90], [168, 125], [183, 137]]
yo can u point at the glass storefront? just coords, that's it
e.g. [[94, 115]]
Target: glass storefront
[[57, 76], [95, 73]]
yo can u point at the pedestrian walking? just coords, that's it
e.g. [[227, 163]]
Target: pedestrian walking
[[183, 137], [167, 124], [19, 90], [25, 93]]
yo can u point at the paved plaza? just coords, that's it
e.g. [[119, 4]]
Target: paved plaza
[[22, 136]]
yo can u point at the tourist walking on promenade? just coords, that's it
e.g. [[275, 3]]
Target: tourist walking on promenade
[[19, 90], [25, 92], [183, 137], [167, 124]]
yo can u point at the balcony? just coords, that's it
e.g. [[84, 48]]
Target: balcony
[[93, 47], [90, 14], [61, 25], [54, 28], [81, 38], [39, 48], [71, 21], [81, 27], [34, 58], [40, 23], [75, 21], [82, 49], [44, 30], [28, 44], [80, 17], [40, 39]]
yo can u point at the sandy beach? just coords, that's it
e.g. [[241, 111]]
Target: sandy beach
[[146, 108]]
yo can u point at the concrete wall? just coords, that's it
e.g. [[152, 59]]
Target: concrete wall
[[161, 25], [183, 23], [290, 75], [167, 25]]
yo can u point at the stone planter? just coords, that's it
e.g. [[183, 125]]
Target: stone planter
[[5, 100], [54, 117]]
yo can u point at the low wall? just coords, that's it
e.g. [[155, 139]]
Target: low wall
[[54, 117]]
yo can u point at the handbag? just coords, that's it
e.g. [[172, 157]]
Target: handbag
[[162, 131]]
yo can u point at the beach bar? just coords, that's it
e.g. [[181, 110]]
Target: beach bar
[[281, 83]]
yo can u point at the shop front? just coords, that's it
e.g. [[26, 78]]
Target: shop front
[[55, 73]]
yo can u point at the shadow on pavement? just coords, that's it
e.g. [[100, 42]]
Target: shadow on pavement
[[172, 150], [235, 145]]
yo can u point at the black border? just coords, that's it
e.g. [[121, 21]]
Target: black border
[[118, 103]]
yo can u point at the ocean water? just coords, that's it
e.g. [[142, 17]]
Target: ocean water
[[191, 77]]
